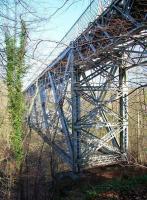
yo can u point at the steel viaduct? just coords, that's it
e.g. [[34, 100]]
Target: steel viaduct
[[79, 103]]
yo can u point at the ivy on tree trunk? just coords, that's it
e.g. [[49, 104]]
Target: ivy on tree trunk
[[15, 70]]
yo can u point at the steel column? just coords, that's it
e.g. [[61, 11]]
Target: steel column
[[76, 132], [43, 105], [123, 106], [61, 113]]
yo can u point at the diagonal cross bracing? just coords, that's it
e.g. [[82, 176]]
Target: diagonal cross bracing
[[79, 104]]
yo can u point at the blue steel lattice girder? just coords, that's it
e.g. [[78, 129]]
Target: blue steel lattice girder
[[105, 51], [42, 93], [89, 43], [63, 155], [60, 111], [76, 133], [123, 83], [127, 17], [104, 117], [101, 98]]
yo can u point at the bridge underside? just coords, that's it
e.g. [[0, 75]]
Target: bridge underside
[[79, 104]]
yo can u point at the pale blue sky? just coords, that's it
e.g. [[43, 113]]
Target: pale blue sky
[[56, 27], [60, 23], [52, 28], [45, 25]]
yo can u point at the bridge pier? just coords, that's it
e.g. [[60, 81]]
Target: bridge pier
[[123, 109], [42, 93], [76, 132], [87, 83]]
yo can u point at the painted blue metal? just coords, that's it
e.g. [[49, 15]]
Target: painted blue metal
[[89, 43], [123, 110], [43, 105], [128, 17], [78, 88], [66, 158], [61, 113], [75, 97]]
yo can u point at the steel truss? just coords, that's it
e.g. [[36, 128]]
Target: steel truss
[[79, 104]]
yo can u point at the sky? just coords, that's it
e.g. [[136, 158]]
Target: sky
[[52, 26], [47, 22]]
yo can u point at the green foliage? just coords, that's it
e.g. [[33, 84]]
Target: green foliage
[[116, 185], [15, 71]]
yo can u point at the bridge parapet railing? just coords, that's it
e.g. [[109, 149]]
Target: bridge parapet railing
[[95, 8]]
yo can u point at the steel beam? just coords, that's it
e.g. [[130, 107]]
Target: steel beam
[[98, 76], [42, 93], [61, 113], [76, 132], [123, 107]]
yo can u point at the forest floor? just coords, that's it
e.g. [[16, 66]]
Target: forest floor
[[114, 182]]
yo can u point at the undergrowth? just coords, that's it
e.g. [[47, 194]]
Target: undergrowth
[[116, 185]]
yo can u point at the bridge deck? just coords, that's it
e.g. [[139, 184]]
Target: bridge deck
[[71, 100], [105, 35]]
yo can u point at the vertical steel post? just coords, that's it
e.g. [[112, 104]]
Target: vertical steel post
[[123, 106], [36, 113], [43, 104], [75, 96], [61, 113]]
